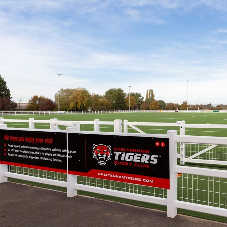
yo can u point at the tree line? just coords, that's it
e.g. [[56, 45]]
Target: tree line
[[80, 99], [5, 97]]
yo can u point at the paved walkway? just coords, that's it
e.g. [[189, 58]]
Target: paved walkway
[[27, 206]]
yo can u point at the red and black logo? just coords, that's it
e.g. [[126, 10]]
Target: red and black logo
[[102, 153]]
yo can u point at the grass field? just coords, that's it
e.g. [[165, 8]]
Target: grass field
[[189, 118], [207, 190]]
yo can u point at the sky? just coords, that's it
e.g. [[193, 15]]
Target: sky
[[178, 48]]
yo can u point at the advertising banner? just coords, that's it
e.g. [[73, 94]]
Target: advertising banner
[[130, 159], [34, 149]]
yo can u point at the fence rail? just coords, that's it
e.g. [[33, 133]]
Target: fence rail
[[29, 112]]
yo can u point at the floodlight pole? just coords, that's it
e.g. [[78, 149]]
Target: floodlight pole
[[187, 91], [198, 94], [129, 98], [198, 91], [187, 95], [59, 74]]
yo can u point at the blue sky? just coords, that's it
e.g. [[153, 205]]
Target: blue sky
[[98, 45]]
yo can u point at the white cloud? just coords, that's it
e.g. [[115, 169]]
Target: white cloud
[[215, 4], [177, 4], [144, 16], [134, 14], [220, 30], [162, 3], [30, 6]]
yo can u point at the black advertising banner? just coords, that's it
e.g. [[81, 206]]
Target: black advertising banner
[[34, 149], [130, 159]]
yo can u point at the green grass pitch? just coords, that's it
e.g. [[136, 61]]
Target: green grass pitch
[[189, 118]]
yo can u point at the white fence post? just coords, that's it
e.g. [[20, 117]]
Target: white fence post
[[71, 179], [172, 192], [125, 126], [96, 125], [182, 145], [31, 123], [76, 126], [1, 121], [118, 126], [52, 125], [3, 168]]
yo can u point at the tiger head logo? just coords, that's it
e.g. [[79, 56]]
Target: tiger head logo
[[102, 153]]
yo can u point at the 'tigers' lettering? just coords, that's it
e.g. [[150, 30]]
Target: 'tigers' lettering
[[135, 157]]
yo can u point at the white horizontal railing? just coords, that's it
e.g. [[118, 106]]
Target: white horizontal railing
[[201, 171], [205, 126], [122, 194], [180, 124], [36, 179], [202, 139], [29, 112]]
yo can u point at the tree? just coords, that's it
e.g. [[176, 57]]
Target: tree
[[95, 99], [154, 105], [80, 99], [133, 105], [218, 107], [184, 105], [104, 105], [209, 106], [19, 101], [144, 106], [172, 106], [138, 97], [5, 97], [7, 104], [40, 103], [149, 96], [47, 104], [33, 103], [202, 107], [116, 97], [162, 105], [64, 95], [4, 90]]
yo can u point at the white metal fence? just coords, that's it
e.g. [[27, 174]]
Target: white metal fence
[[29, 112], [187, 152], [199, 189]]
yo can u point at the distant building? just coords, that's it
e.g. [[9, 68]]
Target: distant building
[[22, 106]]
